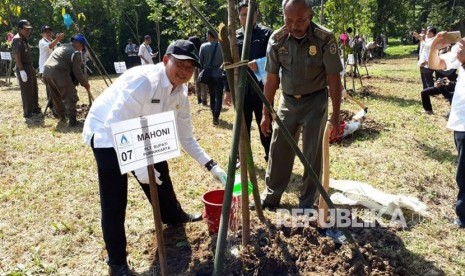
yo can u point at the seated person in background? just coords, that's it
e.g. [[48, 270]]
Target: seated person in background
[[370, 51], [445, 85]]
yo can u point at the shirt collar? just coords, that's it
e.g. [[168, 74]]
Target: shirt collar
[[22, 37]]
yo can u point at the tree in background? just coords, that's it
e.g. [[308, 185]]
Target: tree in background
[[108, 24]]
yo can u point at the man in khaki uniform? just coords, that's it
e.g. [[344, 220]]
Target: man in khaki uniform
[[24, 70], [308, 58], [62, 72]]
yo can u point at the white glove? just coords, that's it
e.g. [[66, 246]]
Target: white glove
[[219, 174], [142, 175], [23, 75]]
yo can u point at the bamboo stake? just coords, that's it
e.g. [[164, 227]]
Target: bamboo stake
[[157, 221]]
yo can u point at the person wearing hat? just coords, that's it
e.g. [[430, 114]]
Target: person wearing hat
[[142, 91], [63, 71], [25, 71], [46, 46], [145, 51]]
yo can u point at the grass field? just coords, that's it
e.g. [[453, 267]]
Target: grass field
[[49, 202]]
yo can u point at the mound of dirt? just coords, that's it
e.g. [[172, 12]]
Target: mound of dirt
[[290, 251]]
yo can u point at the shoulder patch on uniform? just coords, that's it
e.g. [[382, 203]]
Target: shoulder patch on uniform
[[333, 48], [280, 34], [322, 32]]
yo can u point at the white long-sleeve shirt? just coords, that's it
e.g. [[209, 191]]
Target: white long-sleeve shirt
[[145, 51], [456, 120], [44, 53], [424, 52], [141, 91]]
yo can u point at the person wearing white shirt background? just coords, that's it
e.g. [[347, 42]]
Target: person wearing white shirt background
[[141, 91], [145, 51], [455, 59], [46, 46], [426, 73]]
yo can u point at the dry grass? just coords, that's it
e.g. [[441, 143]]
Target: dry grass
[[49, 204]]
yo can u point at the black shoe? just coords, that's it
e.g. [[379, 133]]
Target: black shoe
[[186, 218], [119, 270], [264, 204], [28, 116], [204, 103], [191, 217], [216, 121], [37, 110], [307, 206], [73, 122]]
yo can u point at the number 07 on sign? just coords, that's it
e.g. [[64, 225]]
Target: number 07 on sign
[[145, 141]]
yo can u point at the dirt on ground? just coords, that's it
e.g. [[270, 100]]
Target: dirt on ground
[[291, 251]]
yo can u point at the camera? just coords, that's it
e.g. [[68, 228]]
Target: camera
[[441, 81]]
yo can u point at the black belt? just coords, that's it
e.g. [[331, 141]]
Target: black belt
[[298, 97]]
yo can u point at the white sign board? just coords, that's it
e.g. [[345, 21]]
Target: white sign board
[[144, 141], [5, 55], [350, 59], [120, 67]]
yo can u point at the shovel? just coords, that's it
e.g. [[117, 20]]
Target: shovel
[[359, 115], [334, 234]]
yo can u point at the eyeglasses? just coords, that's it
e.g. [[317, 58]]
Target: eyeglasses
[[184, 65]]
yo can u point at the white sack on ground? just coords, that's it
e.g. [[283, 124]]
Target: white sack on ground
[[358, 193]]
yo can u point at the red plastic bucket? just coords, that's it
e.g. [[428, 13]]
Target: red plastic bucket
[[339, 134], [213, 201]]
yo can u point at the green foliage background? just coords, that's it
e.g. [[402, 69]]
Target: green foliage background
[[108, 24]]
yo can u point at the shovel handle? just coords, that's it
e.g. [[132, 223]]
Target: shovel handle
[[322, 206]]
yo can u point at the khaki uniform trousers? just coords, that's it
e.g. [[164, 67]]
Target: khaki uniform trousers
[[29, 91], [64, 95], [307, 115]]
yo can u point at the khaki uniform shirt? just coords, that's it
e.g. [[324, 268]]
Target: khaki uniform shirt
[[63, 61], [21, 46], [305, 64]]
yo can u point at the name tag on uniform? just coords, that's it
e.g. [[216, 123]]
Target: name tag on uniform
[[155, 100]]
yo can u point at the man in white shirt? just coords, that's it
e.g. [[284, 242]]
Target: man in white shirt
[[455, 59], [425, 72], [141, 91], [46, 46], [145, 51]]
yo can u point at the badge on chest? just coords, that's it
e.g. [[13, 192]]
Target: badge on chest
[[312, 51], [156, 101]]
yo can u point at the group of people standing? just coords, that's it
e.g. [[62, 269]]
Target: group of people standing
[[60, 68], [439, 58], [307, 57], [139, 54], [434, 82]]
